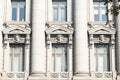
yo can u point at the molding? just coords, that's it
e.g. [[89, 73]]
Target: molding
[[59, 30], [101, 30]]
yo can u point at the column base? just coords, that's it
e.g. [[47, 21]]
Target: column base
[[36, 78], [81, 74], [81, 78], [36, 74]]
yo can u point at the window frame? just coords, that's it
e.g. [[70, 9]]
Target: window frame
[[21, 56], [59, 7], [63, 56], [18, 6], [100, 7], [105, 55]]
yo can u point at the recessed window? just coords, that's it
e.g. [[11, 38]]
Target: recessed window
[[59, 58], [59, 10], [99, 11], [16, 58], [18, 10], [102, 57]]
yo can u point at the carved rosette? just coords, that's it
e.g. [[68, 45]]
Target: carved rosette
[[54, 75], [98, 75], [108, 75], [64, 75], [20, 75], [10, 75]]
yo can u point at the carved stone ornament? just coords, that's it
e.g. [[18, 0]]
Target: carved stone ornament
[[102, 38], [16, 38], [108, 75], [20, 75], [10, 75], [98, 75], [54, 75], [64, 75], [59, 38]]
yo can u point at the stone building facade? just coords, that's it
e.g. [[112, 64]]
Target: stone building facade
[[59, 40]]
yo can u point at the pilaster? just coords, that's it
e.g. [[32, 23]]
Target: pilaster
[[27, 55], [70, 55], [28, 8], [6, 53], [69, 6]]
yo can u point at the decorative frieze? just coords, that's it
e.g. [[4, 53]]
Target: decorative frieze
[[59, 75], [16, 75], [102, 75]]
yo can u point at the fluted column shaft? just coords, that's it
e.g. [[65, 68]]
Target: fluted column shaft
[[38, 63], [81, 64]]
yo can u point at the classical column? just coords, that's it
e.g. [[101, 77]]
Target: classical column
[[117, 25], [81, 61], [27, 10], [1, 35], [38, 55]]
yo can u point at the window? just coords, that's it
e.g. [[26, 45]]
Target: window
[[99, 11], [102, 61], [59, 58], [16, 58], [18, 10], [59, 10]]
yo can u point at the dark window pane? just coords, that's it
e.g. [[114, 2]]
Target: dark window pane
[[96, 17], [55, 14], [22, 14], [14, 14], [104, 14], [63, 14], [104, 18], [96, 14]]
